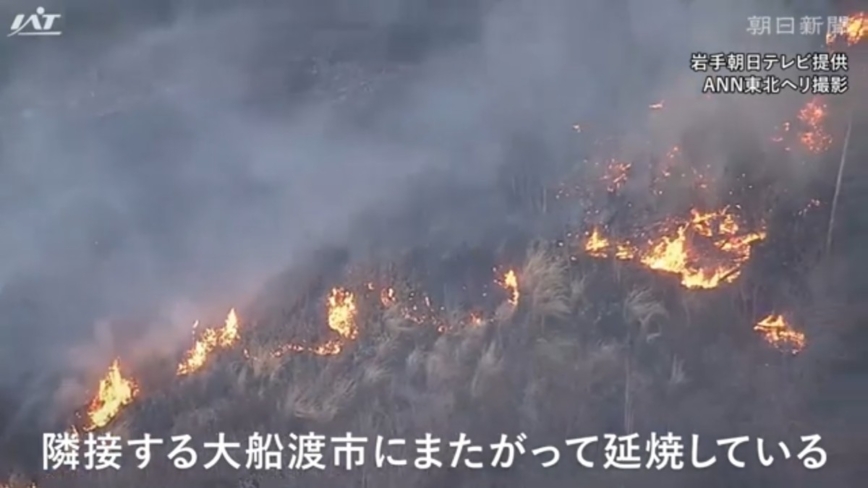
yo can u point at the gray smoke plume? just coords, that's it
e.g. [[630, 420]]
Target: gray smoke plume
[[160, 161]]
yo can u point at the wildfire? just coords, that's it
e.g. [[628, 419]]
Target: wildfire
[[341, 316], [210, 341], [814, 136], [114, 393], [777, 332], [855, 29], [675, 249], [509, 283], [342, 313], [599, 246]]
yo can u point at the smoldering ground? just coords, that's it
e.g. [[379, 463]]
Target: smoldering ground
[[167, 160]]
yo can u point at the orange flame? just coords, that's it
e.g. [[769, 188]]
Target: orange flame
[[855, 29], [342, 313], [777, 332], [814, 136], [210, 341], [674, 250], [599, 246], [510, 284], [115, 392], [596, 245]]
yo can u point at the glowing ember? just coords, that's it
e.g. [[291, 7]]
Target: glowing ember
[[674, 250], [115, 392], [419, 309], [210, 341], [782, 135], [342, 313], [812, 204], [510, 284], [330, 348], [777, 332], [476, 318], [387, 297], [616, 175], [814, 136], [855, 29]]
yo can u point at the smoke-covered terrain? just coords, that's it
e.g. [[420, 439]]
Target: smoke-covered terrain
[[483, 216]]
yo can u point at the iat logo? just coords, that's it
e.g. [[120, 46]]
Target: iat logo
[[38, 24]]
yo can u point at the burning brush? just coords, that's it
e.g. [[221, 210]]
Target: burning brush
[[114, 393], [703, 248], [676, 248], [211, 340], [776, 330]]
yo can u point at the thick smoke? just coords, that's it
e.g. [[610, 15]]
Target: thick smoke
[[161, 160]]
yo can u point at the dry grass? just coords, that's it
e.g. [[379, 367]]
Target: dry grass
[[591, 347], [550, 367]]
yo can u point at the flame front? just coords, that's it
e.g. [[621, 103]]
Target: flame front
[[341, 316], [674, 250], [342, 313], [510, 284], [777, 332], [210, 341], [114, 393]]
